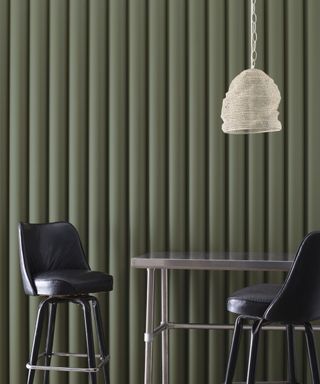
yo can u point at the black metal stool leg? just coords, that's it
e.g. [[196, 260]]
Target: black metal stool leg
[[255, 331], [312, 353], [89, 338], [234, 350], [49, 341], [43, 306], [291, 358], [101, 340]]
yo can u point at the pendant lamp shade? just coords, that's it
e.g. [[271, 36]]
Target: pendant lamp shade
[[251, 104]]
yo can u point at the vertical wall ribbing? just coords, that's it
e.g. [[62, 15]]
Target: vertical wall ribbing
[[216, 183], [236, 147], [18, 183], [4, 188], [98, 151], [275, 66], [58, 109], [118, 184], [295, 120], [97, 135], [58, 145], [312, 115], [157, 135], [312, 78], [157, 123], [137, 180], [78, 115], [295, 136], [237, 175], [38, 118], [78, 150], [97, 146], [256, 166], [110, 117], [177, 178], [256, 195], [197, 182], [38, 110]]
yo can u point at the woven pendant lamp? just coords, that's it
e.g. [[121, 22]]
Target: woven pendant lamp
[[251, 104]]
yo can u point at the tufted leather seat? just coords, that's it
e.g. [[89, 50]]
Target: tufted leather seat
[[53, 265]]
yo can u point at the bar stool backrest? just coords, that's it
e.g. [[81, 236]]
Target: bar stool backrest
[[48, 247], [298, 301]]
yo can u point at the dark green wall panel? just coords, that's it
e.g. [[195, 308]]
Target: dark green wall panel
[[157, 141], [138, 152], [256, 185], [197, 167], [18, 182], [118, 186], [38, 131], [312, 114], [4, 189], [276, 149], [236, 151], [217, 176], [58, 109], [177, 188], [78, 151], [98, 146], [110, 118], [295, 81], [58, 143]]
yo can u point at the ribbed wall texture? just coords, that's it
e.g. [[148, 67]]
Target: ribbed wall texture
[[110, 118]]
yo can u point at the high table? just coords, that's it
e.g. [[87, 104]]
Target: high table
[[213, 261]]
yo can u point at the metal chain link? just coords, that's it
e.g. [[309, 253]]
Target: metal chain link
[[254, 35]]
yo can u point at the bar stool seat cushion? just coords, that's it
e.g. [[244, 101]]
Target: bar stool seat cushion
[[72, 282], [252, 300]]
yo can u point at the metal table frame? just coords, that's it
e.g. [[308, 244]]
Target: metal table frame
[[192, 261]]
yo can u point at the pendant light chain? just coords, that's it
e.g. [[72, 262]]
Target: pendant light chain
[[254, 35]]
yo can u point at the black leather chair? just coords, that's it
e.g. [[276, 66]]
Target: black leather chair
[[53, 265], [295, 302]]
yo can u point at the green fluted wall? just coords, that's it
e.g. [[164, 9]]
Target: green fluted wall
[[110, 118]]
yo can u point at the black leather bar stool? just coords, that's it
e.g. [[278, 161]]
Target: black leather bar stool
[[295, 302], [53, 265]]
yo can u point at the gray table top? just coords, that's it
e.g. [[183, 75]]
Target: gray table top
[[227, 261]]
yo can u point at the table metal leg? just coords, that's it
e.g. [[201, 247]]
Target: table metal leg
[[164, 320], [148, 336]]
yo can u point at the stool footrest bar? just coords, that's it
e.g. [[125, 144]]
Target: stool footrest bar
[[65, 369], [65, 354], [103, 361]]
